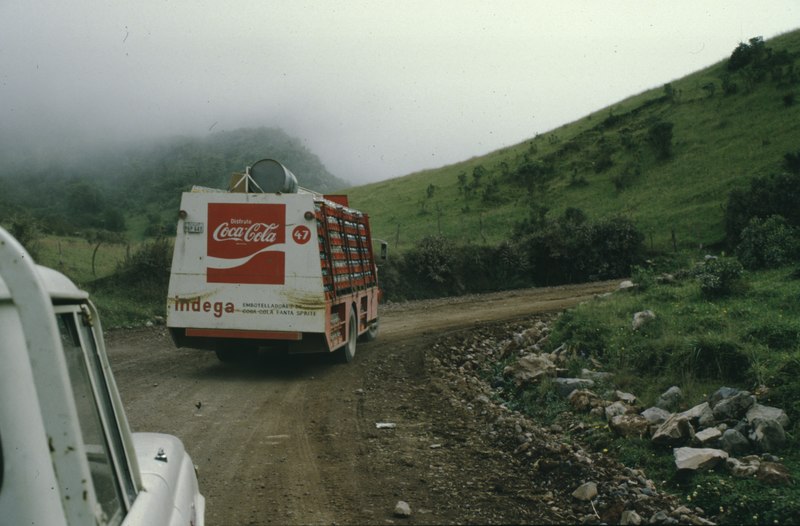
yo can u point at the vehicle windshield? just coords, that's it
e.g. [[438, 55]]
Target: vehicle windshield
[[111, 480]]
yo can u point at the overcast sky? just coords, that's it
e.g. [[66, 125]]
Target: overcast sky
[[375, 89]]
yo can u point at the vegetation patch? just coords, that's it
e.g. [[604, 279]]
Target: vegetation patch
[[136, 293], [749, 340]]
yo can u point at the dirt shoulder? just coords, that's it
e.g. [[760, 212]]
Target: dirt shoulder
[[295, 441]]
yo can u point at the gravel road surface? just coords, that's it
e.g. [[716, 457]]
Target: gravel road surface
[[293, 440]]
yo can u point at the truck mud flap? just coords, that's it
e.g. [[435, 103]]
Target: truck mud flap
[[208, 339], [310, 344]]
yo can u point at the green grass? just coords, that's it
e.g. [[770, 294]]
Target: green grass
[[117, 310], [744, 501], [747, 339], [73, 257], [724, 498], [119, 306], [719, 143]]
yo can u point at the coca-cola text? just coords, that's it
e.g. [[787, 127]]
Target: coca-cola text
[[254, 233], [245, 231]]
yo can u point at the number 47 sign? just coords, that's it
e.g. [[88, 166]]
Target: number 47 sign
[[301, 234]]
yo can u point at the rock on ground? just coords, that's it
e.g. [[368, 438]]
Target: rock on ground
[[698, 458]]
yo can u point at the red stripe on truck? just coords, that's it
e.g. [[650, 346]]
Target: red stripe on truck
[[233, 333]]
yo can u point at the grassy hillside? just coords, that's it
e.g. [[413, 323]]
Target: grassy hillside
[[727, 127]]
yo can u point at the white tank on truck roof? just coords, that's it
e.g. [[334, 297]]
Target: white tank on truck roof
[[266, 176]]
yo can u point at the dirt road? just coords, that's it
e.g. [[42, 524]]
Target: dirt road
[[294, 440]]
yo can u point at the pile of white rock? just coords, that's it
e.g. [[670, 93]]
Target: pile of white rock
[[731, 427]]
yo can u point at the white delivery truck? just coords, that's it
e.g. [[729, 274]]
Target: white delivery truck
[[268, 264], [67, 455]]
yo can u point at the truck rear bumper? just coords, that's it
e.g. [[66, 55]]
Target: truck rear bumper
[[242, 334], [215, 339]]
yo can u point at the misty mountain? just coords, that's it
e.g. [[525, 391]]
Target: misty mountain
[[69, 189]]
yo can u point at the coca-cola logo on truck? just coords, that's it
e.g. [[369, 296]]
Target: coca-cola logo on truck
[[241, 243]]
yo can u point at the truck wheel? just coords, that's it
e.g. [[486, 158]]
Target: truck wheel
[[226, 355], [372, 331], [348, 352]]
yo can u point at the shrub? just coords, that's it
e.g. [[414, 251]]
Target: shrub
[[784, 387], [582, 332], [742, 501], [473, 269], [573, 215], [777, 335], [509, 265], [729, 86], [713, 357], [777, 194], [747, 54], [768, 243], [791, 162], [614, 246], [26, 230], [432, 264], [531, 173], [610, 121], [627, 139], [437, 267], [390, 277], [645, 355], [626, 177], [147, 269], [478, 173], [492, 193], [602, 160], [113, 220], [659, 135], [570, 251], [718, 276], [643, 277]]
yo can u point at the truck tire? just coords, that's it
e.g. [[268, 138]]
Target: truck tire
[[372, 331], [226, 355], [348, 352]]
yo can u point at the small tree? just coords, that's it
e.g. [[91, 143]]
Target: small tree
[[791, 161], [626, 177], [430, 190], [777, 194], [26, 230], [97, 238], [462, 183], [491, 193], [669, 92], [729, 86], [603, 160], [478, 173], [113, 220], [659, 135], [747, 54]]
